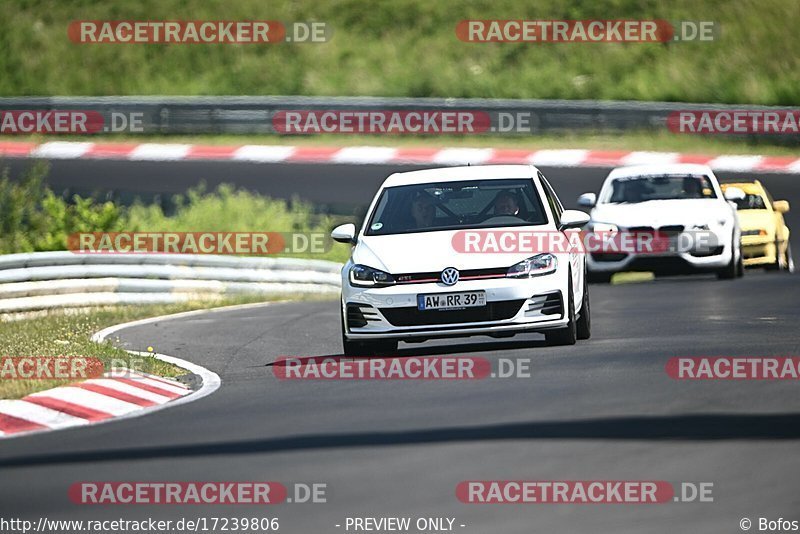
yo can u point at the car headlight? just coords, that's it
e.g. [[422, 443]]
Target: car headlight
[[604, 227], [363, 276], [533, 266]]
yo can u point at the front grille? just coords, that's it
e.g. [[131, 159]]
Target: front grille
[[714, 251], [493, 311], [672, 230], [661, 265], [358, 315], [469, 274], [667, 229], [608, 256], [547, 304]]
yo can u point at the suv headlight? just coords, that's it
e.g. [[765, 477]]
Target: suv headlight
[[363, 276], [533, 266]]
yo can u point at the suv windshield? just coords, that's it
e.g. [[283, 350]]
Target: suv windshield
[[636, 189], [456, 205]]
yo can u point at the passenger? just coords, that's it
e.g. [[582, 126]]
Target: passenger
[[505, 203]]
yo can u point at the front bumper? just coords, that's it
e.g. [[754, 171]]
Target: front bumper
[[714, 256], [758, 250], [513, 305]]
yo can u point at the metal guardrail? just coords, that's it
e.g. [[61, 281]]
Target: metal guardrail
[[254, 114], [44, 280]]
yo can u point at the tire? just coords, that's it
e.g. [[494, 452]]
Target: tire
[[783, 262], [599, 278], [366, 348], [583, 328], [731, 270], [740, 265], [567, 335], [777, 266]]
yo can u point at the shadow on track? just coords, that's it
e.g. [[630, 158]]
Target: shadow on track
[[704, 427]]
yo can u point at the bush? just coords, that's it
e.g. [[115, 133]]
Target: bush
[[33, 218]]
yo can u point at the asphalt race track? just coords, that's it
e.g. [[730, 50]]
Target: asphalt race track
[[604, 409]]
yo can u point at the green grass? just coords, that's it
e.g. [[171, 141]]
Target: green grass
[[409, 48], [68, 333]]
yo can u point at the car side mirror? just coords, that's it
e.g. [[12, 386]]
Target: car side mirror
[[573, 219], [733, 194], [781, 206], [345, 233], [587, 200]]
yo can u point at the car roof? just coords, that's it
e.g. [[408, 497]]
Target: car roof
[[661, 170], [456, 174], [753, 187]]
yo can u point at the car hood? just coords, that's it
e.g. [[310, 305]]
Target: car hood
[[756, 219], [429, 252], [658, 213]]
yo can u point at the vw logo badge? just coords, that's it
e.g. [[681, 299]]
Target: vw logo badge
[[449, 276]]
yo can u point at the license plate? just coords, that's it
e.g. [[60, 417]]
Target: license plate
[[451, 301]]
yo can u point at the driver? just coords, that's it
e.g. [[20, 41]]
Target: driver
[[505, 203], [423, 210], [691, 188]]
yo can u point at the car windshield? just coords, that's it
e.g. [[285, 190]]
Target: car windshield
[[456, 205], [637, 189], [751, 202]]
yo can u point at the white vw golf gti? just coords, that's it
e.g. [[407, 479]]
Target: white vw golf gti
[[408, 280]]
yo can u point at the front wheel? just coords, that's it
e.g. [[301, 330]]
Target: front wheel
[[584, 325], [568, 334], [734, 267], [783, 262]]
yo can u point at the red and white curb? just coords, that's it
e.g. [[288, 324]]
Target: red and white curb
[[118, 395], [82, 403], [363, 155]]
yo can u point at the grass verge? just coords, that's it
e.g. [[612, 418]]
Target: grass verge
[[410, 48], [68, 333]]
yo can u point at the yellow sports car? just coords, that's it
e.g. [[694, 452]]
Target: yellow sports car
[[765, 236]]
